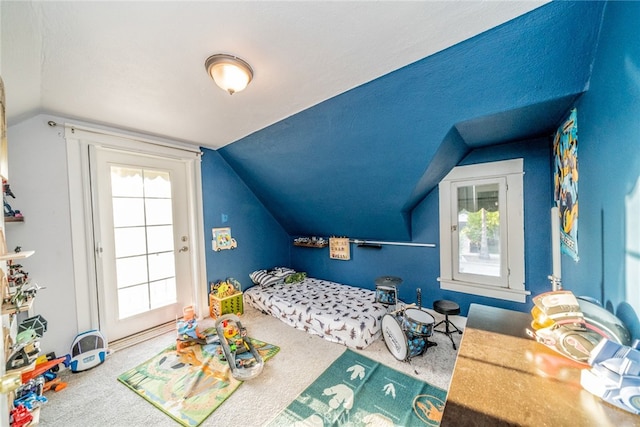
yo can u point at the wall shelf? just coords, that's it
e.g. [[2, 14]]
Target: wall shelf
[[13, 219], [9, 308], [16, 255], [311, 245], [311, 242]]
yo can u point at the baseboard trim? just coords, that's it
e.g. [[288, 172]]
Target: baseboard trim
[[148, 334]]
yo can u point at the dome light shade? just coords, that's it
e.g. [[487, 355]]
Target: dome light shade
[[229, 72]]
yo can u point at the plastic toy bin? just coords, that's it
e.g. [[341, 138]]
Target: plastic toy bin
[[228, 305]]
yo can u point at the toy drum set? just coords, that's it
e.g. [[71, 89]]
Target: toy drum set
[[387, 291], [406, 331]]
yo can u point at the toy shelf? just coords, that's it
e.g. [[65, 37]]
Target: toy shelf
[[311, 242], [10, 308], [16, 255], [13, 219], [311, 245]]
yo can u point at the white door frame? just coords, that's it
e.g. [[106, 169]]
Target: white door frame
[[78, 139]]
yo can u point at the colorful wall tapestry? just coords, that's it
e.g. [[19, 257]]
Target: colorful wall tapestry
[[565, 177]]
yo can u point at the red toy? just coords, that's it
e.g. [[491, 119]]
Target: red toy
[[20, 416]]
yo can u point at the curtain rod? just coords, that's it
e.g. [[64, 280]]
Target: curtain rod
[[97, 131], [377, 242]]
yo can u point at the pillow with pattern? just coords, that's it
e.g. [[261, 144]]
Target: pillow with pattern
[[267, 278]]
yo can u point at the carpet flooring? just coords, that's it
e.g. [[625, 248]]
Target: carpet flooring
[[357, 391], [96, 397]]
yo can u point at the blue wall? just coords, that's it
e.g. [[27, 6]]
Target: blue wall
[[608, 164], [227, 202], [419, 267]]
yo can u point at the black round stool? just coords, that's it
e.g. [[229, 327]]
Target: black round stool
[[447, 308]]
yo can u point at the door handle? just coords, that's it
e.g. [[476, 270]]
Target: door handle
[[183, 249]]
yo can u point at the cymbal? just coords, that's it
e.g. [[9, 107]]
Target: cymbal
[[388, 281]]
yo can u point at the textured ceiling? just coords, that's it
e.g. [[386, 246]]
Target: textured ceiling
[[139, 66]]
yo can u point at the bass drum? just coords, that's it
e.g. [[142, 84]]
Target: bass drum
[[402, 346]]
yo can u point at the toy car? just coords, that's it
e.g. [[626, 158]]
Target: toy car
[[221, 244]]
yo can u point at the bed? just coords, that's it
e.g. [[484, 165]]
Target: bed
[[339, 313]]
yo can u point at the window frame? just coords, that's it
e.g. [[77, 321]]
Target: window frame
[[457, 275], [509, 175]]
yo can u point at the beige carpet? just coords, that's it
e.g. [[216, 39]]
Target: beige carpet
[[95, 397]]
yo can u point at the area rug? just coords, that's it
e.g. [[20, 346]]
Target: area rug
[[189, 386], [357, 391]]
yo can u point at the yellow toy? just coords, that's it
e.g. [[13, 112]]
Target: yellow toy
[[230, 330], [225, 289]]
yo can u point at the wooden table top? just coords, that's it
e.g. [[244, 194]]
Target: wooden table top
[[502, 377]]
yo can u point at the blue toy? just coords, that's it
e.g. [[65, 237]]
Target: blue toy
[[89, 349], [615, 374]]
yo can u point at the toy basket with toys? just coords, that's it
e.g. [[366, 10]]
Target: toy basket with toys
[[225, 297]]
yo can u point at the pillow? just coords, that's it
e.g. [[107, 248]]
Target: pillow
[[267, 278], [257, 276], [282, 271]]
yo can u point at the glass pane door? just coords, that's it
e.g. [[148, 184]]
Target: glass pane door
[[143, 234], [143, 267]]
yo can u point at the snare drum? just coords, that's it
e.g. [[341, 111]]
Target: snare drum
[[402, 346], [418, 322]]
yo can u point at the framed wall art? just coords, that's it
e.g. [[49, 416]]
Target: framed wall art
[[222, 239]]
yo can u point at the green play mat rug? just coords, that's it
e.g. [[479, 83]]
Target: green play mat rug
[[358, 391], [164, 380]]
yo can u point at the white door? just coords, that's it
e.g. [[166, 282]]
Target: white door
[[142, 240]]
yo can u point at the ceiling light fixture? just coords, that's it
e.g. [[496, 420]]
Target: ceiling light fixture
[[229, 72]]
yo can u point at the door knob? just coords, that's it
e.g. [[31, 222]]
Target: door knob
[[183, 249]]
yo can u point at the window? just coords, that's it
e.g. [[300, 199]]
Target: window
[[482, 230]]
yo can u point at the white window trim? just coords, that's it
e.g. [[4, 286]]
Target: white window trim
[[513, 171]]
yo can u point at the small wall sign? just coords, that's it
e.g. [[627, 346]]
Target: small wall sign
[[339, 248], [222, 239]]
